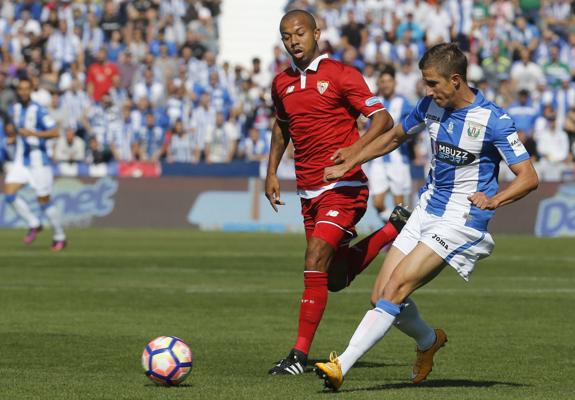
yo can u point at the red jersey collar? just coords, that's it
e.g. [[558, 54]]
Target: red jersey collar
[[312, 65]]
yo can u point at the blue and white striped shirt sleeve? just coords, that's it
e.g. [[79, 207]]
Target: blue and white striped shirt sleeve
[[44, 121], [415, 121], [507, 141]]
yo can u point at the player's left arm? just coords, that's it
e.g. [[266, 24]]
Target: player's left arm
[[525, 181], [513, 152]]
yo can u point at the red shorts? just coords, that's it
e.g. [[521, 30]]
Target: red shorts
[[332, 216]]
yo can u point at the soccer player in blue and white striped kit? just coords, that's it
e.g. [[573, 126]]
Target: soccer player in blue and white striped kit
[[469, 136], [31, 164]]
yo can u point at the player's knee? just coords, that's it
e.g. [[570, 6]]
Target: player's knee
[[315, 262], [395, 291], [10, 198]]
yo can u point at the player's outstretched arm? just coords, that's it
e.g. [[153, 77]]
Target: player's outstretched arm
[[383, 144], [279, 143], [381, 122], [525, 181]]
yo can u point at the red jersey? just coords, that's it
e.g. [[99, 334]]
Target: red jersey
[[321, 106], [101, 77]]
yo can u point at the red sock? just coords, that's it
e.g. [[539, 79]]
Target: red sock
[[361, 254], [313, 302]]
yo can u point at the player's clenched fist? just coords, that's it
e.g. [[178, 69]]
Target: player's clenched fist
[[481, 201], [342, 155], [335, 172], [273, 191]]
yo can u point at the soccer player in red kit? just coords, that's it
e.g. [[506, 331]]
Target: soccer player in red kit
[[318, 101]]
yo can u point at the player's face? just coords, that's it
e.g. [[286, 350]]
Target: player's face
[[300, 40], [24, 91], [441, 89], [386, 85]]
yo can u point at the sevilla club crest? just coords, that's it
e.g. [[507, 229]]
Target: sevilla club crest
[[322, 86]]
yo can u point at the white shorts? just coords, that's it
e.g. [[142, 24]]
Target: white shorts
[[393, 177], [459, 245], [39, 178]]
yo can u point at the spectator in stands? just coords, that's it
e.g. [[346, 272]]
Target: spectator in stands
[[377, 49], [438, 24], [127, 69], [64, 47], [118, 93], [123, 142], [150, 88], [179, 144], [352, 32], [115, 47], [254, 146], [555, 71], [92, 37], [552, 140], [69, 148], [138, 46], [155, 45], [76, 101], [110, 20], [7, 94], [525, 73], [221, 141], [149, 140], [100, 75], [525, 114]]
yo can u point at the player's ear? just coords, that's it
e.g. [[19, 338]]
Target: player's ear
[[456, 81], [316, 34]]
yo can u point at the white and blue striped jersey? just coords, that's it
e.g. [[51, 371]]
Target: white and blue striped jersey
[[467, 146], [31, 150], [399, 108]]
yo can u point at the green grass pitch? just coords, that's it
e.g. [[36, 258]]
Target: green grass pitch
[[73, 325]]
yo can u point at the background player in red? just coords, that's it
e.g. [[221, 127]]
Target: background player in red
[[318, 101]]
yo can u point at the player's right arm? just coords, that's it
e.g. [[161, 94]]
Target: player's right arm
[[279, 143], [383, 144]]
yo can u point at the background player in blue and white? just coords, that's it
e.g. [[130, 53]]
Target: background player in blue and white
[[390, 172], [31, 164], [470, 136]]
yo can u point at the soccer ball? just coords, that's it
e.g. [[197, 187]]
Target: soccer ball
[[167, 360]]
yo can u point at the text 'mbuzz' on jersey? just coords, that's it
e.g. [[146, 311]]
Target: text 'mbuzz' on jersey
[[467, 145], [321, 106]]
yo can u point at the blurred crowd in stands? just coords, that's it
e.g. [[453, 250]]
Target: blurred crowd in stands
[[142, 80]]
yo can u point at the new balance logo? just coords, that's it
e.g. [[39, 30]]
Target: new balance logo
[[332, 213], [290, 89]]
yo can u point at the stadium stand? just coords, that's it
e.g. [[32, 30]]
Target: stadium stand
[[138, 87]]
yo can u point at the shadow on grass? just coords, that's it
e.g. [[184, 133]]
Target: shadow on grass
[[438, 383], [359, 364], [182, 385]]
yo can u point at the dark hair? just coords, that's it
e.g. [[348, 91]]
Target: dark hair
[[447, 59], [24, 79], [300, 13], [388, 69]]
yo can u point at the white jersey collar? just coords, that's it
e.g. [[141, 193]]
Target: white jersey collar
[[313, 66]]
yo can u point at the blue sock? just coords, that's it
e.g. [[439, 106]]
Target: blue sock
[[388, 307]]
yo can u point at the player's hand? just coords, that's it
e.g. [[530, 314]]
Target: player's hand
[[336, 171], [342, 155], [273, 191], [481, 201]]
